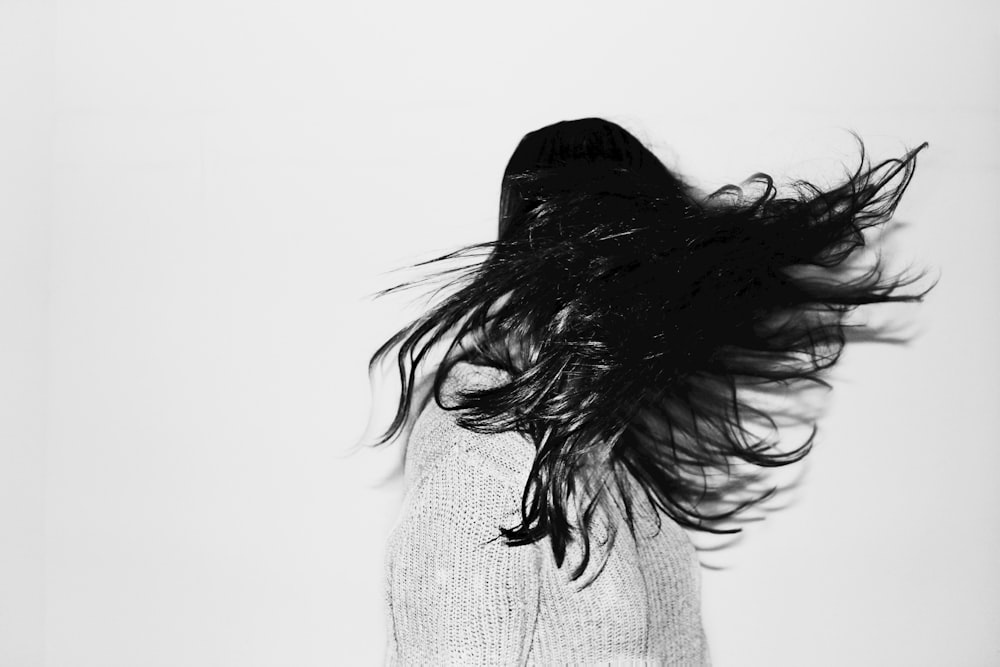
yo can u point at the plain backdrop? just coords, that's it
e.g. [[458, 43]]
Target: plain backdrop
[[197, 198]]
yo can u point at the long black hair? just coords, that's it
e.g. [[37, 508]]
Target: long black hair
[[630, 312]]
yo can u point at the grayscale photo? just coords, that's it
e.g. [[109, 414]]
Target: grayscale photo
[[533, 333]]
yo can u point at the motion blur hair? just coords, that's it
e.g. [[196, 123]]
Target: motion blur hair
[[631, 315]]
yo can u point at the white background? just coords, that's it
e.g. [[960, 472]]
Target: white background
[[198, 196]]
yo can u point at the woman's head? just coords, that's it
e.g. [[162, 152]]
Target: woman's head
[[637, 312], [575, 149]]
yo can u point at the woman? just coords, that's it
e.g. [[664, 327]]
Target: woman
[[591, 374]]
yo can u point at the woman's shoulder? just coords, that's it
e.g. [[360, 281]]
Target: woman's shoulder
[[438, 439]]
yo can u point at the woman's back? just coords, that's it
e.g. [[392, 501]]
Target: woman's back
[[454, 596]]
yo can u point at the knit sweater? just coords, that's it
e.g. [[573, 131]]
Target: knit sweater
[[453, 596]]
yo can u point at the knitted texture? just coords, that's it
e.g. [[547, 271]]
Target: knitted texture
[[453, 596]]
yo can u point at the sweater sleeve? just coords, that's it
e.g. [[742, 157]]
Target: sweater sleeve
[[455, 597]]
